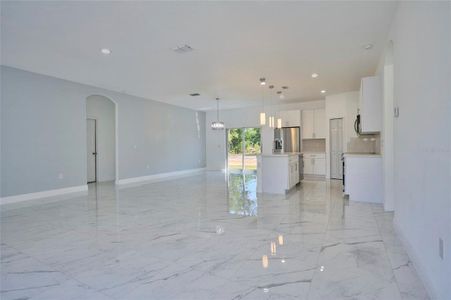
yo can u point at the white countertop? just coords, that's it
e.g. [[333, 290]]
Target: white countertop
[[361, 155], [281, 154]]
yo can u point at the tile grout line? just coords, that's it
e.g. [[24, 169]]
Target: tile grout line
[[58, 270], [385, 249], [328, 186]]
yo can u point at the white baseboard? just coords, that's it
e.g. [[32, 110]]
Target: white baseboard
[[159, 177], [421, 271], [43, 194]]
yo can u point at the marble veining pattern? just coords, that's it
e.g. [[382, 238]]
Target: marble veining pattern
[[209, 236]]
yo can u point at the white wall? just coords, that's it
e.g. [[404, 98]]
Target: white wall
[[245, 117], [341, 106], [385, 71], [43, 134], [102, 110], [421, 35]]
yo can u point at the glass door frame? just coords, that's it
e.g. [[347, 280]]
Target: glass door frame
[[243, 147]]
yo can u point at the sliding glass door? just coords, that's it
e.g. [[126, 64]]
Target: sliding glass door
[[243, 146], [235, 161], [252, 147]]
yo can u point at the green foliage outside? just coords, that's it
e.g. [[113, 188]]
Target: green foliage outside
[[251, 137], [242, 195]]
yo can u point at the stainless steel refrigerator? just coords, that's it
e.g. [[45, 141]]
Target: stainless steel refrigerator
[[290, 138]]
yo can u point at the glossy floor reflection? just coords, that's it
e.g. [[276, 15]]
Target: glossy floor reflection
[[242, 194], [203, 237]]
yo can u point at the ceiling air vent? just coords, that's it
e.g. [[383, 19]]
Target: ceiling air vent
[[194, 94], [183, 49]]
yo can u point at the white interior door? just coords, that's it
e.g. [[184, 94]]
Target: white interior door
[[336, 148], [92, 149]]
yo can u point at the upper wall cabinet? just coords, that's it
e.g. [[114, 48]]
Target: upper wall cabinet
[[308, 120], [320, 124], [313, 124], [290, 118], [370, 104]]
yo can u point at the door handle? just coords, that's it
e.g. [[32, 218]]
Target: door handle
[[94, 153]]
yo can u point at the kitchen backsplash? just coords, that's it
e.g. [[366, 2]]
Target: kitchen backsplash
[[314, 145], [367, 143]]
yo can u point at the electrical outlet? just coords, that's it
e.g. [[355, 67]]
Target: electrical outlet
[[441, 249], [147, 167], [60, 176]]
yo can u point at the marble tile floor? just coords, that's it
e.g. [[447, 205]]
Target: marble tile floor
[[209, 236]]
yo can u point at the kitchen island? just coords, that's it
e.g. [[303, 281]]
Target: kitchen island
[[277, 173]]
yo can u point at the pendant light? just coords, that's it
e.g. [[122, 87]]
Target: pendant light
[[281, 96], [262, 119], [279, 118], [279, 123], [217, 125], [263, 114], [271, 122], [271, 118]]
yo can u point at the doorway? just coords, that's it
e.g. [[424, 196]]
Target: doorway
[[91, 143], [243, 146], [336, 148], [101, 138]]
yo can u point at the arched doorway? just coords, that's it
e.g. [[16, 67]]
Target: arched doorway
[[100, 139]]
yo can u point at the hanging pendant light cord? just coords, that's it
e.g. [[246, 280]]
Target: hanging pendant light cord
[[217, 109]]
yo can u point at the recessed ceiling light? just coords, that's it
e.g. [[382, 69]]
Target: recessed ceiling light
[[262, 81], [315, 75], [285, 87], [323, 91], [194, 94], [105, 51], [367, 46]]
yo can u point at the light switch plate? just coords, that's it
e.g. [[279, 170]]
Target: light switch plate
[[440, 248], [396, 112]]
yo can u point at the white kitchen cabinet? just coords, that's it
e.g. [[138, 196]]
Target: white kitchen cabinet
[[290, 118], [308, 165], [363, 177], [319, 167], [315, 164], [294, 171], [370, 105], [320, 124], [308, 119], [313, 124], [277, 173]]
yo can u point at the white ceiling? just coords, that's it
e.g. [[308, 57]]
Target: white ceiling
[[235, 44]]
